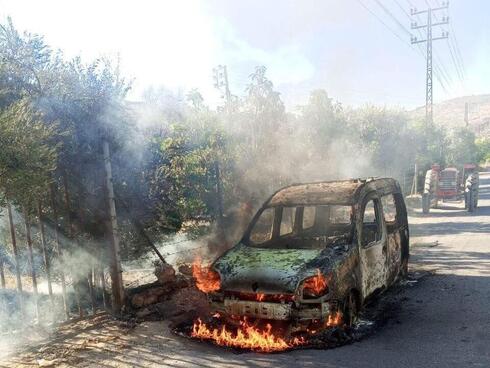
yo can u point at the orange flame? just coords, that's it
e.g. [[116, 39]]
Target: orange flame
[[334, 319], [207, 280], [260, 297], [246, 337], [316, 284]]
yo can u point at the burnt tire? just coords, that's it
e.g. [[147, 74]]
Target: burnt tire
[[351, 309], [403, 269]]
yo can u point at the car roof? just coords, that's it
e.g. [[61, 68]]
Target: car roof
[[342, 192]]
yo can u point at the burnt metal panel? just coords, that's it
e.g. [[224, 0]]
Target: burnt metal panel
[[339, 192]]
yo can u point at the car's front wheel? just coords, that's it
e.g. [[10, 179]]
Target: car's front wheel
[[351, 309]]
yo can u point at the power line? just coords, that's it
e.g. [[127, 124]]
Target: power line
[[439, 67], [402, 8], [456, 65], [457, 48], [410, 4], [382, 22], [387, 11], [402, 39]]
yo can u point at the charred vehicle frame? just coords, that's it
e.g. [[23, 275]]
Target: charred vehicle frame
[[315, 252]]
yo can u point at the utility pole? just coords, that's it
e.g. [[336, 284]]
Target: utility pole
[[428, 26], [220, 77]]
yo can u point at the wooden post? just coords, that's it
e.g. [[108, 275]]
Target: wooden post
[[32, 268], [103, 286], [416, 178], [59, 251], [90, 277], [47, 264], [114, 251], [101, 252], [16, 257], [72, 237], [2, 274]]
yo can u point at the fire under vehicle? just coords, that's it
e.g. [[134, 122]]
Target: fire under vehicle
[[314, 253], [450, 184]]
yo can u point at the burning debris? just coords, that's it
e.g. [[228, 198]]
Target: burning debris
[[207, 280], [245, 336]]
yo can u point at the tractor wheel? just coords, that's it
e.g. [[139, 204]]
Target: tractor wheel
[[425, 203], [471, 192], [471, 201]]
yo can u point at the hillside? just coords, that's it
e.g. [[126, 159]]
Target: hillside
[[451, 113]]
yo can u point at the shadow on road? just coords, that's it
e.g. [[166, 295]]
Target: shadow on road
[[443, 259], [456, 212], [449, 228]]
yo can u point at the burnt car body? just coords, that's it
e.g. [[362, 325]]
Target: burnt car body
[[314, 250]]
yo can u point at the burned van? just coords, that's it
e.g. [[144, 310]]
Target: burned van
[[315, 252]]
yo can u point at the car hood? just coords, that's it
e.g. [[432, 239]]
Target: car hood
[[260, 270]]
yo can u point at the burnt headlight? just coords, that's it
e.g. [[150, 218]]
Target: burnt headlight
[[315, 286]]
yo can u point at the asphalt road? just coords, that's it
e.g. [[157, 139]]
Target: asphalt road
[[443, 320]]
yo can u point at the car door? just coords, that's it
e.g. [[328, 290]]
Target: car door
[[372, 245]]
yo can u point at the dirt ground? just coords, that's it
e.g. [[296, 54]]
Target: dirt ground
[[442, 321]]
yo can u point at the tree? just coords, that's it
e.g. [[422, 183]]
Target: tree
[[28, 155], [483, 150], [462, 148]]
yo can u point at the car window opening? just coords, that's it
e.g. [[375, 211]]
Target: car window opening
[[371, 224]]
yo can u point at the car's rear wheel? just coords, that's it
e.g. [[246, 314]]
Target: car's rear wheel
[[351, 309]]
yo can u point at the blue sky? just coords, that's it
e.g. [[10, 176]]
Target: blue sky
[[335, 45]]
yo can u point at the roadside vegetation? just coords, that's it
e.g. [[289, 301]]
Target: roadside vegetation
[[175, 158]]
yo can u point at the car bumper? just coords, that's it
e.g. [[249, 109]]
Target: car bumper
[[273, 311]]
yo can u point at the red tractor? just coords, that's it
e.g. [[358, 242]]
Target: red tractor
[[451, 184]]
